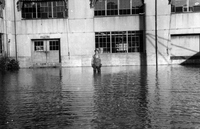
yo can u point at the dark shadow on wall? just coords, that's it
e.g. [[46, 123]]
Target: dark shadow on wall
[[142, 25], [150, 37], [189, 60]]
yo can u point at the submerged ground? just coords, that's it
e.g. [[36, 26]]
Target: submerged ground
[[130, 97]]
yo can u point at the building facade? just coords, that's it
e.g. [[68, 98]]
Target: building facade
[[66, 32]]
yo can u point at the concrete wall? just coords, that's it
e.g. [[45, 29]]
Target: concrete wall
[[163, 20], [187, 26], [185, 23], [77, 33]]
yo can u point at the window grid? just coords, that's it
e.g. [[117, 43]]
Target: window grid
[[102, 41], [37, 10], [39, 45], [100, 8], [125, 7], [118, 7], [119, 41], [119, 44], [181, 6], [59, 9], [54, 45], [133, 42], [112, 7]]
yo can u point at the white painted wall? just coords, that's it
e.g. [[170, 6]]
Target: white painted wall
[[77, 33], [163, 26]]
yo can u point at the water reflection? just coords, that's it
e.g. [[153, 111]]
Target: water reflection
[[119, 97]]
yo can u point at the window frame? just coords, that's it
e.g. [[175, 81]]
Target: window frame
[[54, 45], [185, 8], [39, 46], [50, 10], [133, 10], [113, 45]]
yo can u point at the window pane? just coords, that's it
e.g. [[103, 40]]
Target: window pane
[[59, 9], [112, 7], [135, 41], [119, 44], [29, 10], [179, 6], [39, 46], [179, 3], [48, 9], [194, 5], [124, 7], [137, 7], [100, 8], [122, 41], [137, 3], [54, 45], [102, 41]]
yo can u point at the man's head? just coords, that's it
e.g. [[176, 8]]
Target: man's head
[[96, 51]]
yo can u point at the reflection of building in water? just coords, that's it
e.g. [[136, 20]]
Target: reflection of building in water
[[121, 98], [66, 32]]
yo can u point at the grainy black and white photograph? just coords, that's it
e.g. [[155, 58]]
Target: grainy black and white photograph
[[99, 64]]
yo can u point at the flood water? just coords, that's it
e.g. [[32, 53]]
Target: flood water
[[131, 97]]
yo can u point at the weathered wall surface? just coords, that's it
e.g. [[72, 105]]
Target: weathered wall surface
[[163, 20], [185, 31], [77, 33]]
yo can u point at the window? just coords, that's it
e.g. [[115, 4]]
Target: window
[[45, 45], [100, 8], [119, 44], [103, 40], [1, 43], [124, 7], [180, 6], [112, 7], [39, 46], [118, 7], [39, 10], [54, 45], [119, 41], [1, 12]]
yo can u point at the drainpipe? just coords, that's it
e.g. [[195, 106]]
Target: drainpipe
[[15, 29], [6, 32], [156, 35]]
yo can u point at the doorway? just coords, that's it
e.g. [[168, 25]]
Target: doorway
[[46, 53]]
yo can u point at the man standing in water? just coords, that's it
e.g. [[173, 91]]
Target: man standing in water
[[96, 61]]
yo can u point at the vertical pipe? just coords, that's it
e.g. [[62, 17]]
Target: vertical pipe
[[15, 29], [156, 37], [6, 32]]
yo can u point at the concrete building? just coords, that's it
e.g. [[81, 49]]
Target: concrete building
[[66, 32]]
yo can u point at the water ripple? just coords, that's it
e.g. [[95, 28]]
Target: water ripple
[[118, 98]]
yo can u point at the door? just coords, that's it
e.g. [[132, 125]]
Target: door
[[46, 53]]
